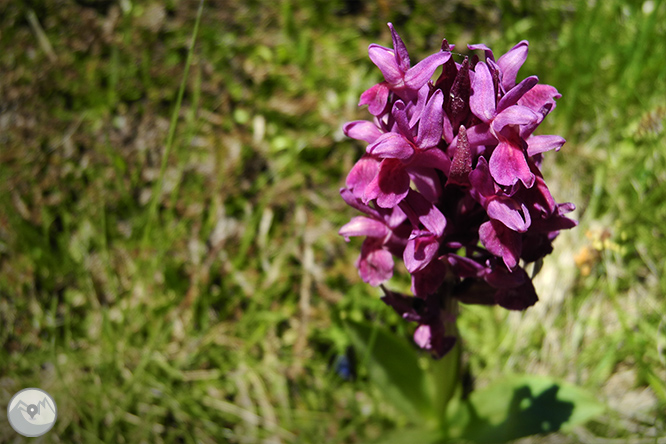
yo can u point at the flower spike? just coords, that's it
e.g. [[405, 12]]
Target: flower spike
[[450, 183]]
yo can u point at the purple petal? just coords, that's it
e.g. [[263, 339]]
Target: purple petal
[[403, 305], [514, 115], [401, 54], [512, 97], [501, 241], [481, 181], [430, 124], [422, 336], [539, 197], [376, 98], [447, 128], [517, 298], [488, 52], [506, 210], [556, 223], [465, 267], [508, 165], [481, 135], [427, 281], [495, 71], [375, 265], [511, 62], [419, 75], [442, 345], [421, 211], [536, 246], [541, 144], [421, 102], [385, 60], [391, 145], [482, 100], [362, 130], [390, 185], [565, 208], [500, 277], [420, 251], [356, 203], [400, 116], [397, 242], [431, 336], [427, 182], [361, 174], [540, 99], [364, 226], [394, 218], [548, 216], [434, 158], [475, 291]]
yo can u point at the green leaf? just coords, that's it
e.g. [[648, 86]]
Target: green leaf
[[521, 406], [420, 435], [393, 367]]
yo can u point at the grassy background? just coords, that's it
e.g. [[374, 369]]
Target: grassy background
[[216, 316]]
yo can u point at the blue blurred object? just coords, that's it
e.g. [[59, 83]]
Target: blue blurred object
[[344, 365]]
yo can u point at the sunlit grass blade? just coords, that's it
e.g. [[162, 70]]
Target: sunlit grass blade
[[157, 187]]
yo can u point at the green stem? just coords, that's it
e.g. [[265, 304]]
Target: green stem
[[446, 371]]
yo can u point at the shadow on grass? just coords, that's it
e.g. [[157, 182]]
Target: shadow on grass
[[527, 415]]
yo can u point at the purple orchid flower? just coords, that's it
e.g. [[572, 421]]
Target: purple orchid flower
[[406, 152], [384, 238], [450, 183], [400, 77]]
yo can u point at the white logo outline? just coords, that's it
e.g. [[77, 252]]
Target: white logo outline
[[32, 412]]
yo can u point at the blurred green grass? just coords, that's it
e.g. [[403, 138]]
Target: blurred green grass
[[223, 322]]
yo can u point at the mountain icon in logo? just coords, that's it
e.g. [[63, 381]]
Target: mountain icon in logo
[[32, 412]]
